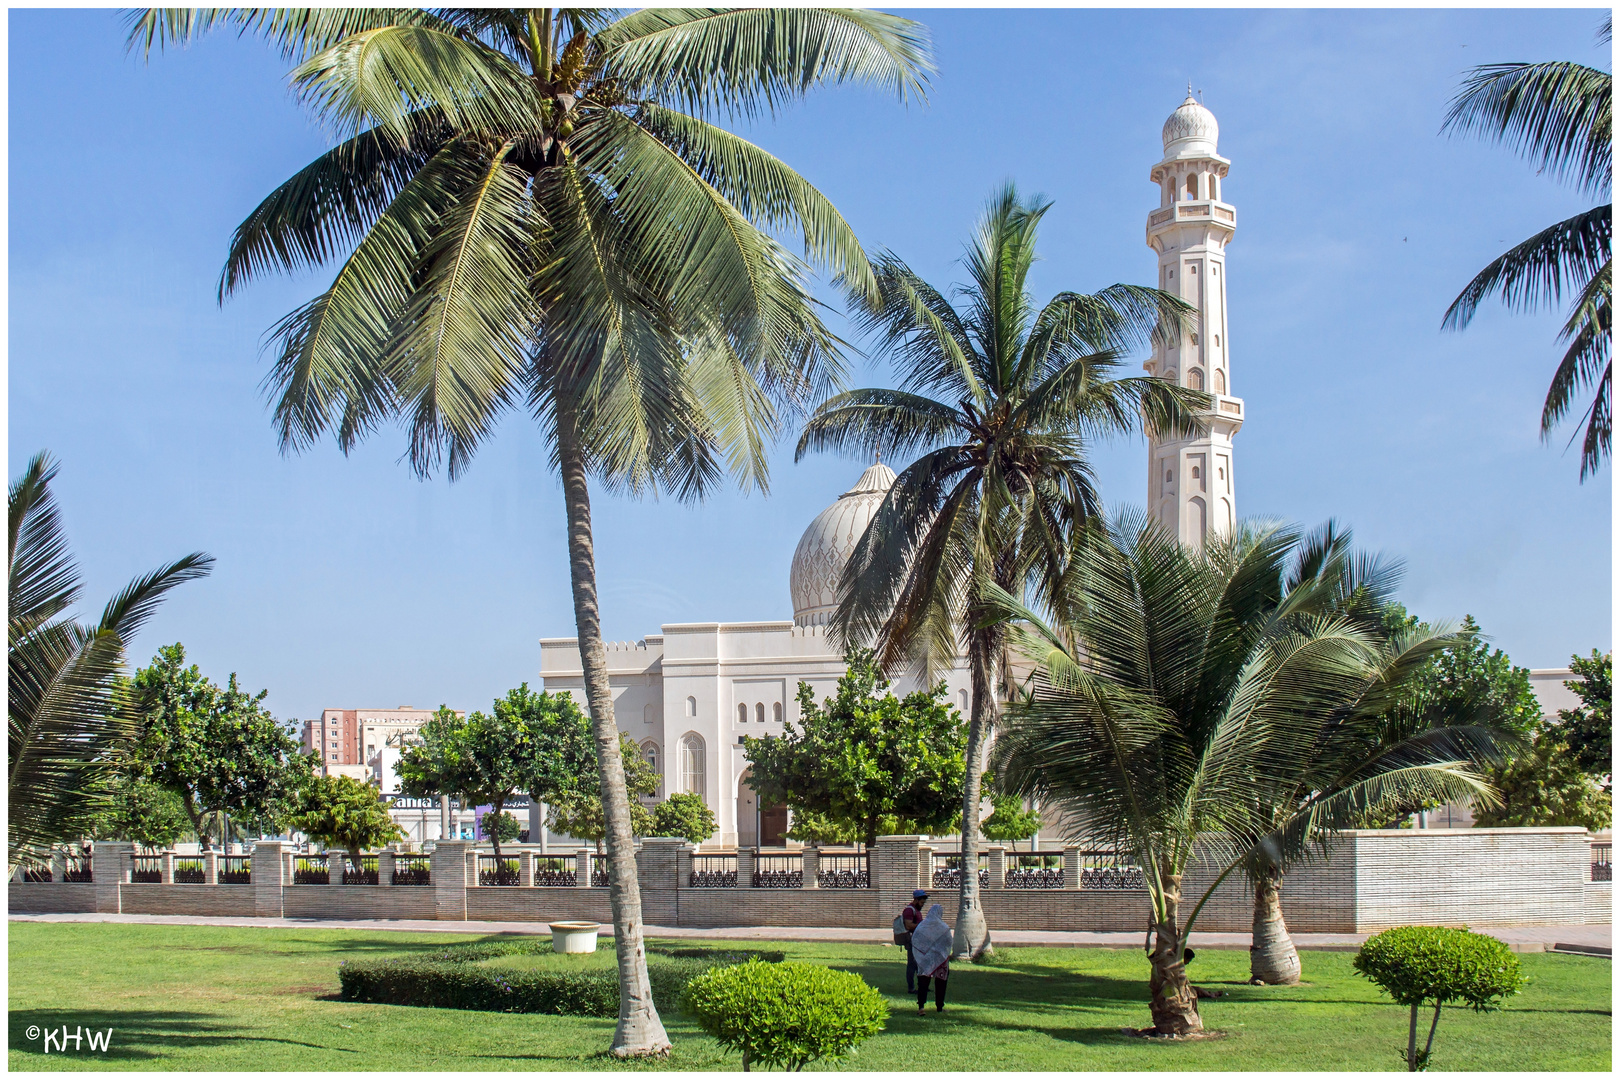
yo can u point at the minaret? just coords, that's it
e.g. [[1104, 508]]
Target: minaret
[[1190, 489]]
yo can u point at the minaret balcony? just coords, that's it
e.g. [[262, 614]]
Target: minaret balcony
[[1205, 210]]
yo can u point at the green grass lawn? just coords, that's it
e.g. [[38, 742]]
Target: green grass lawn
[[208, 997]]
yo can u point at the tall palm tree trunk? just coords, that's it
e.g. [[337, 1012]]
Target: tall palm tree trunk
[[1272, 957], [1175, 1002], [972, 933], [640, 1032]]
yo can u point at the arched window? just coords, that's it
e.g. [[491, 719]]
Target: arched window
[[1195, 378], [649, 713], [962, 696], [742, 712], [692, 766], [776, 711], [691, 706], [759, 711], [1220, 381], [1192, 186]]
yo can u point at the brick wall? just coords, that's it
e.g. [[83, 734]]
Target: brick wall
[[149, 899], [535, 904], [1372, 880], [50, 897], [358, 901], [1478, 877]]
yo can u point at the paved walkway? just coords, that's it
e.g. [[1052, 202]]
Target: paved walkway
[[1523, 938]]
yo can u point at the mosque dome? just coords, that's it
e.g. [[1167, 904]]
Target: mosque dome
[[1191, 131], [818, 561]]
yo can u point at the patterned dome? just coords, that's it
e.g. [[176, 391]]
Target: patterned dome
[[1191, 131], [827, 544]]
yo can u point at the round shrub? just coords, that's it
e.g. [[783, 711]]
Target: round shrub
[[1423, 965], [785, 1014]]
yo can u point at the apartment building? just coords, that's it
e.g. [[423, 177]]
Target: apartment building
[[349, 742]]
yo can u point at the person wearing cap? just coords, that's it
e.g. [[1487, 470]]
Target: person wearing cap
[[911, 916]]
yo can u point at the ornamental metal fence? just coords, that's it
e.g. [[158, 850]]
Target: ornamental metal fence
[[844, 870], [601, 876], [189, 872], [714, 871], [502, 871], [237, 870], [78, 869], [778, 870], [413, 870], [555, 871], [1602, 862], [311, 870], [364, 874], [1034, 870], [1102, 869], [947, 870], [146, 869]]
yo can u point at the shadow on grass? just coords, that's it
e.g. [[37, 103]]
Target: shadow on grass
[[136, 1035]]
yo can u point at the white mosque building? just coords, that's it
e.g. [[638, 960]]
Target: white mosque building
[[690, 693]]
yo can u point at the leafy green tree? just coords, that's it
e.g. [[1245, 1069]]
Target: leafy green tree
[[555, 753], [1009, 821], [342, 812], [864, 755], [684, 814], [538, 212], [217, 748], [578, 812], [67, 728], [1546, 786], [1559, 115], [1001, 398], [500, 827], [1589, 729], [144, 813], [479, 759], [1187, 693]]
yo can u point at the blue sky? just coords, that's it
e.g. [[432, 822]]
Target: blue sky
[[345, 582]]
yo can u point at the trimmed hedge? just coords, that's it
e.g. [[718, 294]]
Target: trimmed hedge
[[452, 979]]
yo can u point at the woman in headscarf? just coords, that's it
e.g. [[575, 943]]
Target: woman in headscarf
[[931, 944]]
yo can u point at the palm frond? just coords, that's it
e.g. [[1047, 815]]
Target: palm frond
[[1537, 271], [741, 62], [864, 422], [297, 32], [43, 580], [1557, 114], [380, 79]]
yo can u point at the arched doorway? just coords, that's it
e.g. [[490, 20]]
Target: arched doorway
[[773, 826]]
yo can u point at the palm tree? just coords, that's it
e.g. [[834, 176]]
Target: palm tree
[[1357, 741], [1001, 398], [542, 215], [1558, 115], [1184, 695], [65, 722]]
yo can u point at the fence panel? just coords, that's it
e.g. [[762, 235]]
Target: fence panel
[[555, 871], [1602, 862], [189, 872], [147, 870], [78, 868], [235, 869], [778, 870], [412, 869], [1102, 869], [366, 875], [947, 870], [714, 872], [844, 870], [1034, 870], [601, 876], [493, 871], [307, 870]]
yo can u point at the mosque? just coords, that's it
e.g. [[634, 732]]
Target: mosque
[[689, 694]]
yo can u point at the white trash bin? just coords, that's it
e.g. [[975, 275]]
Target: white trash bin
[[574, 937]]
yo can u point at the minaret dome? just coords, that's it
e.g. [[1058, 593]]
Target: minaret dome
[[1191, 131]]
